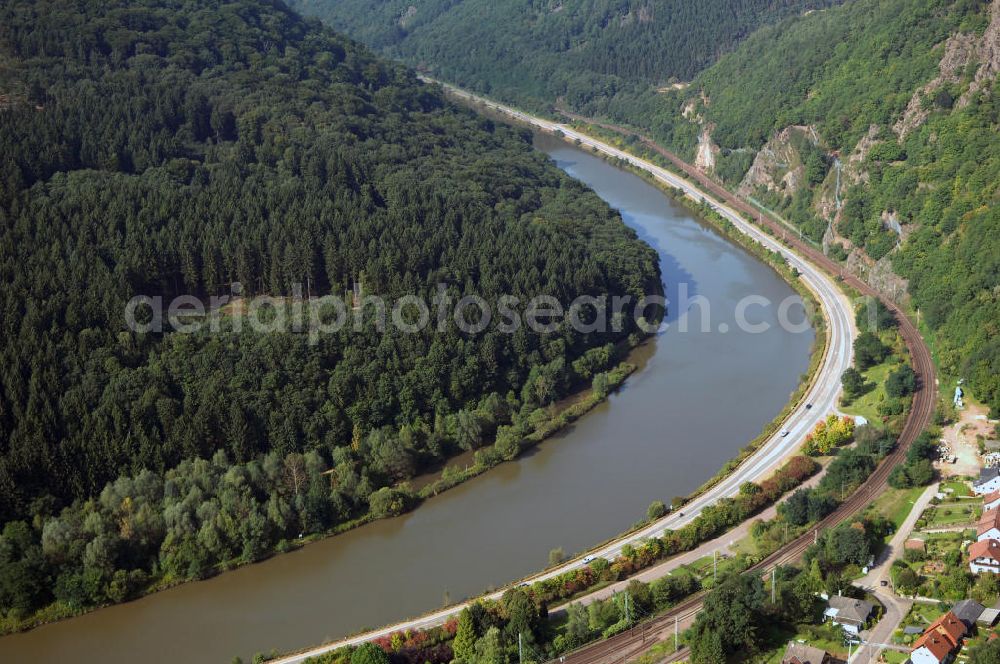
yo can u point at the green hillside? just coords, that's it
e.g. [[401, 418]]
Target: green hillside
[[535, 52], [906, 92], [163, 147]]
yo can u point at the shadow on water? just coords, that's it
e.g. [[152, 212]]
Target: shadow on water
[[678, 283]]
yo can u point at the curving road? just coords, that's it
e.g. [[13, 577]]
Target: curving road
[[837, 310]]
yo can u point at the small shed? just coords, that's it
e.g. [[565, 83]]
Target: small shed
[[989, 617], [915, 544]]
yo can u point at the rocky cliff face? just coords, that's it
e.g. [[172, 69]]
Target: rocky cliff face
[[707, 150], [959, 51], [779, 166], [988, 55]]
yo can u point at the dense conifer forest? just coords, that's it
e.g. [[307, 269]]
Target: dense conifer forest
[[162, 147]]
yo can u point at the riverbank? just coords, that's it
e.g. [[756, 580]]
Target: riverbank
[[706, 214], [574, 406]]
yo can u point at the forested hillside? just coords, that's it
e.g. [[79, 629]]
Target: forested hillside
[[895, 165], [534, 52], [176, 146]]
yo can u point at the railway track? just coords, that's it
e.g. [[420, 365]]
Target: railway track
[[622, 647]]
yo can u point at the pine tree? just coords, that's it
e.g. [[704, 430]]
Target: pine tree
[[464, 645]]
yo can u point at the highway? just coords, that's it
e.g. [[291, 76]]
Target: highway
[[822, 395]]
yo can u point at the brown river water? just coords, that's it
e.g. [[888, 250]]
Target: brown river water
[[697, 398]]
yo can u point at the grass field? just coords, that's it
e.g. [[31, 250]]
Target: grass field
[[958, 488], [895, 504], [867, 405], [951, 514]]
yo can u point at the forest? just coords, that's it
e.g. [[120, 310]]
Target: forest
[[537, 52], [163, 147]]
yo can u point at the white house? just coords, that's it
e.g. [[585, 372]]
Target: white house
[[988, 482], [931, 649], [988, 527], [984, 556], [851, 614], [991, 501]]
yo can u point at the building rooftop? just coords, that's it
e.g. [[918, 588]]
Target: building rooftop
[[987, 474], [800, 653], [989, 520], [851, 609], [989, 617], [988, 548], [949, 627], [937, 645]]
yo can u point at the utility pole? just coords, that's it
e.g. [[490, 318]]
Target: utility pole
[[773, 570], [715, 566], [676, 634], [520, 649], [627, 620]]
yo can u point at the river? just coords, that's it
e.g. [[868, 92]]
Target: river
[[697, 398]]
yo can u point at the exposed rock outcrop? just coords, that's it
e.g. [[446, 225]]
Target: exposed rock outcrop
[[778, 165], [959, 51], [988, 55], [878, 274], [854, 171], [707, 150]]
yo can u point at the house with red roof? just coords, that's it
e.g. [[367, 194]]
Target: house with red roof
[[984, 556], [940, 641], [991, 501], [989, 525]]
